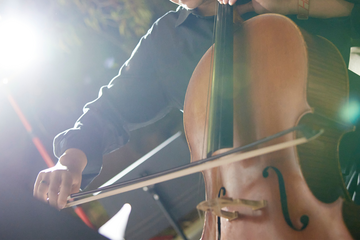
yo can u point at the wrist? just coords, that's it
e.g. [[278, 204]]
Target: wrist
[[321, 8], [303, 9], [74, 159], [330, 8], [293, 7]]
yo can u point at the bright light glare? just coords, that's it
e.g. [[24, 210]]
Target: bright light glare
[[351, 112], [19, 45], [114, 229], [5, 81]]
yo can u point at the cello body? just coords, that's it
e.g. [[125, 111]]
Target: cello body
[[283, 77]]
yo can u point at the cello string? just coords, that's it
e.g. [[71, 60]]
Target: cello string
[[218, 219], [201, 179], [204, 147]]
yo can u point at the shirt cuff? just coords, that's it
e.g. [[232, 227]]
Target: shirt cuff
[[355, 20], [86, 142]]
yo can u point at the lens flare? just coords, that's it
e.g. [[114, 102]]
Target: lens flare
[[19, 44], [351, 112]]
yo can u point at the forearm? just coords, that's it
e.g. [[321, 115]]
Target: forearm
[[317, 9], [324, 8]]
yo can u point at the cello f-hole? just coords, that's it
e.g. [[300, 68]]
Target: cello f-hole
[[284, 206]]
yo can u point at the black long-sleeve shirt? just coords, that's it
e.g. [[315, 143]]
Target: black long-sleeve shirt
[[155, 79]]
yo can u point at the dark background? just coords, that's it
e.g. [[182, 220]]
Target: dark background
[[84, 43]]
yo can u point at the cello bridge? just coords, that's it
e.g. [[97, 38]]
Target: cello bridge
[[215, 206]]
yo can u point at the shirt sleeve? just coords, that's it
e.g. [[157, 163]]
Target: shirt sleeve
[[355, 19], [134, 98]]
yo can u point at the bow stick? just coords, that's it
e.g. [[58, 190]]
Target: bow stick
[[228, 157]]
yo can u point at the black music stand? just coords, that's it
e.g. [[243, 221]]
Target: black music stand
[[176, 198]]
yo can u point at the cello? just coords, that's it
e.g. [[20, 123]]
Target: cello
[[283, 78], [260, 78]]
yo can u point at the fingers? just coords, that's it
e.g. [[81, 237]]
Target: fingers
[[41, 186], [54, 186], [243, 8], [230, 2], [60, 188], [65, 190]]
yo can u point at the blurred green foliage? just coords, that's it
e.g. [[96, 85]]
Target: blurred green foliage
[[121, 22]]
